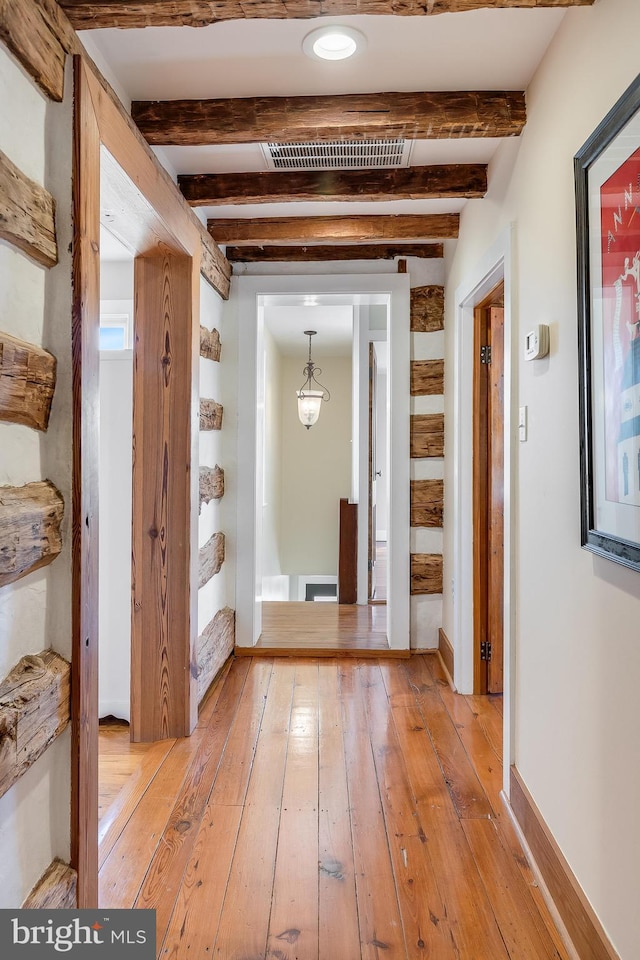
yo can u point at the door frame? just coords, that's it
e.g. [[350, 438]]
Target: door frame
[[495, 265], [153, 222], [250, 290]]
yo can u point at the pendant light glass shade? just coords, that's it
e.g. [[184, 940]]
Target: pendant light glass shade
[[309, 403], [309, 398]]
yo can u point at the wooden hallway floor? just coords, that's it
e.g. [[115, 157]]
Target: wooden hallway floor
[[325, 810]]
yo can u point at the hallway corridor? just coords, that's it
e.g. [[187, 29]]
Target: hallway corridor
[[325, 810]]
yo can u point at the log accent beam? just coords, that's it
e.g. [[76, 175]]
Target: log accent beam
[[427, 309], [34, 34], [30, 534], [427, 435], [211, 484], [211, 415], [318, 253], [94, 14], [409, 183], [55, 890], [427, 503], [215, 646], [211, 558], [415, 116], [27, 214], [35, 707], [367, 229], [209, 344], [27, 382], [426, 573], [214, 266], [427, 378]]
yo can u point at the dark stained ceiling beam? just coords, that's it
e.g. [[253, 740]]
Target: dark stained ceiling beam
[[92, 14], [360, 229], [416, 116], [317, 253], [409, 183]]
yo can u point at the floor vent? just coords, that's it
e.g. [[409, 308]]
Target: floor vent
[[337, 154]]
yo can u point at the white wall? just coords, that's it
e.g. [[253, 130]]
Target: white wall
[[316, 470], [275, 586], [577, 664], [116, 437], [217, 382], [35, 612]]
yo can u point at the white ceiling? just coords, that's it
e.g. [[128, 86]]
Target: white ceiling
[[334, 326], [478, 50]]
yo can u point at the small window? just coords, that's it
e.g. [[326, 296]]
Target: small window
[[115, 331]]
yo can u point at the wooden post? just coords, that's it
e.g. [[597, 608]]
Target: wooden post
[[348, 557]]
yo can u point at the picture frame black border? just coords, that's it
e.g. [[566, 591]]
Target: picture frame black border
[[606, 545]]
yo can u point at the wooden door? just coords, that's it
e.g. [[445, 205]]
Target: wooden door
[[373, 393], [488, 494]]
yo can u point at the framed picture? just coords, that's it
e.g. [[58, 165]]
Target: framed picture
[[607, 174]]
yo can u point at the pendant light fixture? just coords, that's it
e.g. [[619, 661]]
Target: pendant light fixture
[[311, 393]]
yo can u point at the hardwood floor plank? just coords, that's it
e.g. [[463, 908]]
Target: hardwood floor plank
[[467, 793], [520, 924], [194, 924], [115, 818], [162, 882], [489, 719], [424, 918], [334, 626], [244, 921], [338, 935], [378, 912], [293, 925]]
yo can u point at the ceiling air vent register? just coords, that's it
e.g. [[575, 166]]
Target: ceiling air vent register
[[338, 154]]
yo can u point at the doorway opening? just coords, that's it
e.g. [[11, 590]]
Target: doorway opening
[[304, 478], [488, 492]]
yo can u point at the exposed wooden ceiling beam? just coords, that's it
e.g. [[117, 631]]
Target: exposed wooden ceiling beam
[[426, 116], [318, 253], [90, 14], [363, 229], [408, 183]]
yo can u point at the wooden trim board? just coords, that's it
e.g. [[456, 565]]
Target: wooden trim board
[[577, 914], [446, 653]]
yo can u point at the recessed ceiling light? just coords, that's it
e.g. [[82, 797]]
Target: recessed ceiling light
[[333, 43]]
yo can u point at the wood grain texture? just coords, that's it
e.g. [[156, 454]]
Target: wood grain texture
[[214, 266], [30, 529], [414, 116], [426, 573], [26, 31], [336, 229], [314, 818], [27, 214], [84, 519], [27, 382], [446, 652], [163, 636], [211, 415], [211, 484], [427, 503], [427, 378], [427, 309], [427, 435], [35, 708], [209, 344], [55, 890], [92, 14], [344, 251], [348, 552], [211, 558], [215, 646], [583, 926], [408, 183]]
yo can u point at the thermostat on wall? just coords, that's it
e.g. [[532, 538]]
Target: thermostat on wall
[[536, 343]]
